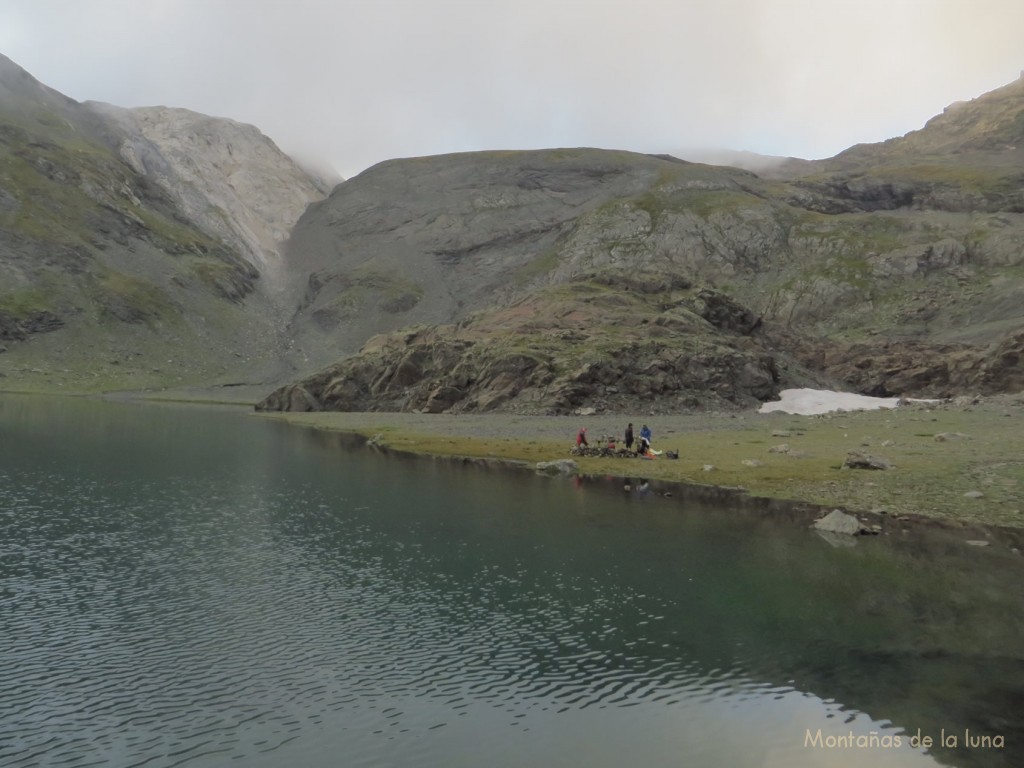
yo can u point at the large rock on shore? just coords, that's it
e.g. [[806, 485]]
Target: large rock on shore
[[838, 521]]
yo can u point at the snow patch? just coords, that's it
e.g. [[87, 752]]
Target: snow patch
[[810, 402]]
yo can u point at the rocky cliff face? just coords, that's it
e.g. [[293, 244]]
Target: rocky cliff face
[[228, 178]]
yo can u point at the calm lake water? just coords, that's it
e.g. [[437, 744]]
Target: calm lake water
[[189, 586]]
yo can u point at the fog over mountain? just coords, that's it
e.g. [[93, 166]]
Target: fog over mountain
[[350, 84]]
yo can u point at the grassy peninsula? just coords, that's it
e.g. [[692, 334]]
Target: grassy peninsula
[[958, 462]]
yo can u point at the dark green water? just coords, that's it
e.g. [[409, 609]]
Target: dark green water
[[200, 587]]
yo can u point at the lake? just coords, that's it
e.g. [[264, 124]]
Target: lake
[[197, 586]]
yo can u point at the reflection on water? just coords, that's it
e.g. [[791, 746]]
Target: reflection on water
[[189, 586]]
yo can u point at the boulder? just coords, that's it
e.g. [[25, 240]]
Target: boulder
[[838, 521]]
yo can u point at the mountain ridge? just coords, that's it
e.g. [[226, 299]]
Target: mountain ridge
[[838, 259], [159, 247]]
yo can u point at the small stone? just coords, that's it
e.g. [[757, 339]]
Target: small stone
[[709, 467], [751, 463], [780, 448], [974, 495], [978, 543], [561, 466], [858, 460], [946, 437], [782, 433], [888, 443]]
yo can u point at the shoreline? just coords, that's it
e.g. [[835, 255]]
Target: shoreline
[[924, 490], [970, 484]]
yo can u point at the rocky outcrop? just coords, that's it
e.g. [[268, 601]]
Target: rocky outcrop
[[435, 375], [14, 328], [567, 348], [894, 368]]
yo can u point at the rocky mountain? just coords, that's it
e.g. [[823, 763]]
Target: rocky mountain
[[158, 247], [138, 247], [892, 269]]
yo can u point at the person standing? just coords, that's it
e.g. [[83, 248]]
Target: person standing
[[629, 436], [581, 438]]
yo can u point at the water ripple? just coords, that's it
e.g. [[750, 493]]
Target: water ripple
[[192, 621]]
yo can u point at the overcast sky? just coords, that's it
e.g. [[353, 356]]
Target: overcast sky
[[352, 82]]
